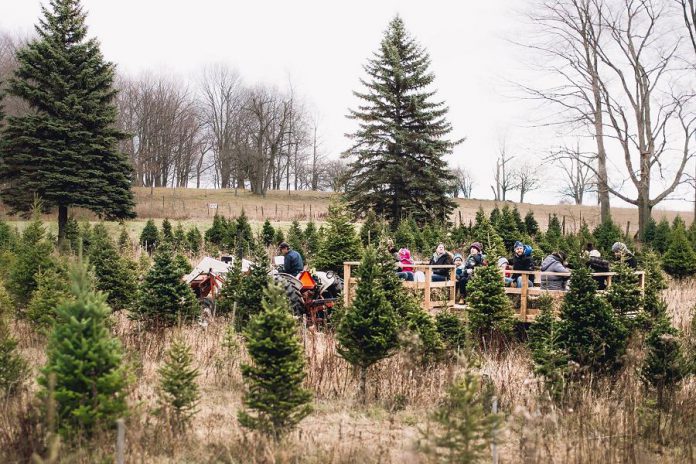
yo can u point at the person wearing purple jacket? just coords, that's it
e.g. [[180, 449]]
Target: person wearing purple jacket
[[554, 263]]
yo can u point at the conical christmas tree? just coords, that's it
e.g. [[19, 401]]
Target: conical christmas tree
[[112, 271], [87, 362], [275, 401], [664, 365], [531, 224], [589, 331], [550, 360], [340, 243], [370, 230], [179, 392], [150, 236], [680, 259], [163, 298], [53, 288], [368, 330], [70, 137], [663, 234], [194, 240], [490, 313], [624, 295], [399, 168], [267, 233], [13, 368]]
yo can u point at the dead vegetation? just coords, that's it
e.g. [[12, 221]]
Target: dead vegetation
[[603, 420]]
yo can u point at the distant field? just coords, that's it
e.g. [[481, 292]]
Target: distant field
[[197, 206]]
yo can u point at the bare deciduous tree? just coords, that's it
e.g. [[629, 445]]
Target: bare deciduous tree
[[578, 177], [463, 183], [526, 179], [572, 34], [502, 176]]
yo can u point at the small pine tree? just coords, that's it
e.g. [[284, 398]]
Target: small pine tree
[[495, 216], [589, 331], [340, 243], [267, 233], [521, 226], [653, 302], [312, 239], [85, 236], [508, 228], [183, 264], [463, 427], [33, 255], [179, 238], [113, 273], [244, 237], [150, 236], [452, 330], [72, 234], [368, 330], [124, 241], [490, 312], [691, 233], [429, 347], [279, 236], [624, 294], [485, 233], [275, 401], [554, 233], [163, 298], [217, 233], [87, 362], [13, 368], [531, 224], [662, 237], [247, 292], [53, 288], [605, 235], [550, 360], [680, 259], [194, 239], [370, 230], [178, 387], [167, 233], [650, 232], [664, 365], [404, 237], [295, 239]]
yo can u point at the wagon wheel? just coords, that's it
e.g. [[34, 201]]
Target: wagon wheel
[[292, 291]]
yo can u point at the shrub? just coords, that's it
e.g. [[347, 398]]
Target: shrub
[[680, 259], [53, 288], [550, 360], [664, 364], [452, 330], [113, 272], [340, 243], [149, 237], [267, 233], [33, 255]]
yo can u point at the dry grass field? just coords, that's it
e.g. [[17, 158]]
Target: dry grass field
[[604, 422], [192, 206]]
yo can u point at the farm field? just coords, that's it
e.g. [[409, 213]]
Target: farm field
[[190, 207]]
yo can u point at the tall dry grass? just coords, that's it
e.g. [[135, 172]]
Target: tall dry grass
[[601, 421]]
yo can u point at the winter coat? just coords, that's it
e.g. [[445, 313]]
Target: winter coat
[[522, 263], [552, 263], [442, 260], [406, 265], [293, 264], [599, 265]]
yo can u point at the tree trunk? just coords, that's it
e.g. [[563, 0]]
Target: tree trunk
[[363, 385], [62, 223], [644, 213]]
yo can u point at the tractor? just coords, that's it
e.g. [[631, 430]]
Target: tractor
[[311, 294]]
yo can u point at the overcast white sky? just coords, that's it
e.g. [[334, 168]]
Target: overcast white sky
[[321, 46]]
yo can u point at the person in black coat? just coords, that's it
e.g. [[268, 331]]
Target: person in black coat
[[441, 257], [522, 261], [623, 254], [292, 264], [597, 264]]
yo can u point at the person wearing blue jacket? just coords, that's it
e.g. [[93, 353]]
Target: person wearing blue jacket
[[293, 264], [522, 261]]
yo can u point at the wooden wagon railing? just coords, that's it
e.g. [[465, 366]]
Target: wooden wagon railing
[[525, 314], [427, 285], [525, 290]]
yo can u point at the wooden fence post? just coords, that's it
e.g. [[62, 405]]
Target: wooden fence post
[[428, 280], [346, 283], [120, 441], [523, 297]]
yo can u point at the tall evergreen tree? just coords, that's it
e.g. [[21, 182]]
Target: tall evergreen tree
[[70, 138], [275, 401], [87, 361], [589, 331], [399, 168], [368, 331]]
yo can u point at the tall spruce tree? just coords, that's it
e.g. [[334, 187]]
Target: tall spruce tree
[[70, 137], [589, 332], [87, 362], [368, 330], [398, 168], [275, 400]]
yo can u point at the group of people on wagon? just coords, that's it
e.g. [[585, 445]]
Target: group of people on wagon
[[554, 267]]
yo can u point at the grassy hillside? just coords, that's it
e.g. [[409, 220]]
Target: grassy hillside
[[197, 206]]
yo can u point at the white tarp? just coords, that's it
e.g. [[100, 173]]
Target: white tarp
[[217, 267]]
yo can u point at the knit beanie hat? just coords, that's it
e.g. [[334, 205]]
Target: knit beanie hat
[[458, 256], [477, 245], [518, 244], [619, 247]]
